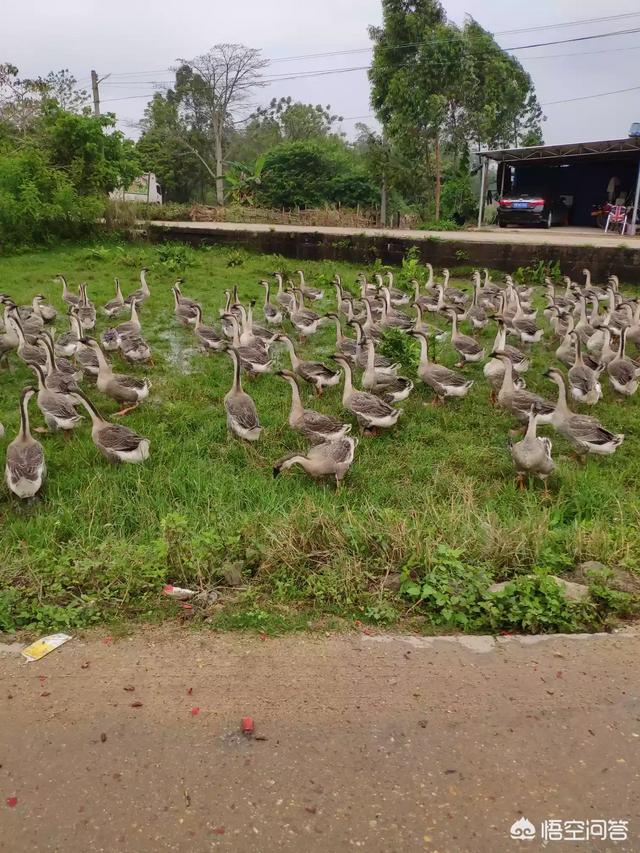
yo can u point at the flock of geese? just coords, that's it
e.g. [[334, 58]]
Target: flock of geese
[[592, 324]]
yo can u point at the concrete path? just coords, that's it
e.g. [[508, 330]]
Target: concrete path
[[374, 743], [520, 236]]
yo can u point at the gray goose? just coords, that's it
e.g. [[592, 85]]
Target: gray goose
[[329, 459], [442, 380], [57, 409], [25, 467], [371, 412], [315, 373], [532, 455], [115, 306], [116, 442], [315, 426], [242, 415]]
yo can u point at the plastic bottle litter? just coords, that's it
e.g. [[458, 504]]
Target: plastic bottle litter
[[177, 592], [44, 645]]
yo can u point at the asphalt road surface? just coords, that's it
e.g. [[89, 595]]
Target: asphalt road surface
[[374, 743]]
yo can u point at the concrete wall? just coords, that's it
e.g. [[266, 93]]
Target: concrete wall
[[445, 252]]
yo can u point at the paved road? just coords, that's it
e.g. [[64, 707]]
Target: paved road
[[529, 236], [373, 743]]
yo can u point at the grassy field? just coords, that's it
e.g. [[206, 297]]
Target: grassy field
[[434, 499]]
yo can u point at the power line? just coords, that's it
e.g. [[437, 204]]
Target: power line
[[568, 24], [587, 97], [434, 41]]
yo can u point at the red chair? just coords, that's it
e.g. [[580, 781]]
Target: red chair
[[617, 216]]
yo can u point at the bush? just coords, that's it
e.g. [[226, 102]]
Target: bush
[[39, 204]]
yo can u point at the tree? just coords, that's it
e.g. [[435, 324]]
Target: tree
[[212, 87], [22, 100], [437, 87], [295, 121]]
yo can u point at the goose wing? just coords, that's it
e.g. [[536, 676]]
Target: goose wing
[[317, 422], [622, 370], [25, 461], [523, 400], [133, 382], [369, 404], [582, 378], [243, 410], [58, 406], [589, 430], [118, 438], [444, 376], [311, 370], [466, 344], [338, 451]]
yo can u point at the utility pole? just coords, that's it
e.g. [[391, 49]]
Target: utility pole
[[96, 92]]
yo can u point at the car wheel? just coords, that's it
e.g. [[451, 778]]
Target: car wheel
[[547, 223], [502, 224]]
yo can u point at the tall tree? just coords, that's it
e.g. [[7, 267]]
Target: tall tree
[[22, 100], [212, 88], [437, 87]]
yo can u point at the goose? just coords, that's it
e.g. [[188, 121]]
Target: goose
[[135, 349], [207, 335], [429, 285], [110, 340], [467, 347], [84, 355], [284, 298], [369, 326], [314, 372], [583, 381], [312, 293], [559, 320], [305, 322], [329, 459], [315, 426], [66, 345], [474, 313], [525, 325], [116, 305], [46, 312], [28, 353], [392, 389], [366, 287], [271, 314], [62, 382], [518, 401], [392, 319], [25, 467], [566, 352], [257, 333], [132, 326], [58, 409], [344, 303], [242, 415], [396, 296], [607, 352], [599, 293], [185, 314], [142, 293], [583, 327], [445, 382], [585, 432], [420, 326], [347, 346], [494, 369], [453, 295], [371, 412], [225, 315], [382, 364], [532, 455], [622, 371], [191, 303], [86, 310], [120, 387], [596, 341], [255, 358], [9, 340], [489, 292], [70, 298], [633, 330], [116, 442], [418, 298]]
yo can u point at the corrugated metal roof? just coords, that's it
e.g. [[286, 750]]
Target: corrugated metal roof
[[603, 149]]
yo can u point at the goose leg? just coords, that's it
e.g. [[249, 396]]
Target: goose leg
[[126, 411], [520, 481]]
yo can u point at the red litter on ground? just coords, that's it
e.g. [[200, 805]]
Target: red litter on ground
[[195, 711], [12, 802], [247, 725]]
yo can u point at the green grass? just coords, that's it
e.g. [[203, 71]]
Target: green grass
[[102, 539]]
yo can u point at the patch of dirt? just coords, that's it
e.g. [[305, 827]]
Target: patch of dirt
[[374, 742]]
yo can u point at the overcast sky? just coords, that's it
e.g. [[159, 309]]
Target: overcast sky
[[136, 41]]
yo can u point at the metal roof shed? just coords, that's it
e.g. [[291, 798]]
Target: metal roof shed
[[587, 158]]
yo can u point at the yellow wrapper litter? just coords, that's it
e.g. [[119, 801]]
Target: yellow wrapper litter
[[44, 645]]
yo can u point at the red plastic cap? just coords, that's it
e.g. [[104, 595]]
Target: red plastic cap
[[247, 725]]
